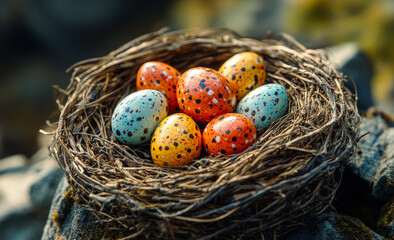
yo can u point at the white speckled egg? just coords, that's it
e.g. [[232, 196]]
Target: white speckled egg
[[264, 104], [137, 116]]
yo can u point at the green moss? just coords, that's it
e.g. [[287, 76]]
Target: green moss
[[70, 193], [352, 228], [56, 219], [387, 217]]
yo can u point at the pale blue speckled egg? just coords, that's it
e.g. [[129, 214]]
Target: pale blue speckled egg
[[264, 104], [137, 116]]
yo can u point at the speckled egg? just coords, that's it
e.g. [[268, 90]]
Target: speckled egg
[[176, 141], [264, 104], [245, 72], [136, 117], [228, 134], [161, 77], [203, 94]]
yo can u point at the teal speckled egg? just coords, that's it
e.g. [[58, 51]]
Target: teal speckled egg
[[264, 104], [137, 116]]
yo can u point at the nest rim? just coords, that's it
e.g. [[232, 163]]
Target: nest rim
[[220, 191]]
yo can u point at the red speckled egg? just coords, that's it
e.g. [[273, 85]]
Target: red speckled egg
[[245, 71], [161, 77], [228, 134], [203, 94]]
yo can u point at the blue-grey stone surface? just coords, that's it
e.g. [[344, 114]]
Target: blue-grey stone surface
[[374, 158], [24, 193], [331, 226], [352, 61], [68, 220]]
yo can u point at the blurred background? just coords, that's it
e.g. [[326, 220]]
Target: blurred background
[[40, 39]]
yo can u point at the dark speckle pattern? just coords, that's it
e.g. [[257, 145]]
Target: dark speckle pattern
[[264, 104], [161, 77], [228, 134], [180, 136], [134, 122], [245, 71], [203, 94]]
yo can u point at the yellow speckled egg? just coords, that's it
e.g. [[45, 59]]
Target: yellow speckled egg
[[176, 141], [245, 71]]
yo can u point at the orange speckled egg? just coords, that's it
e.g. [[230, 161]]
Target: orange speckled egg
[[176, 141], [161, 77], [228, 134], [203, 94], [245, 72]]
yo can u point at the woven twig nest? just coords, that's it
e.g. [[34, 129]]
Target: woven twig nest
[[288, 176]]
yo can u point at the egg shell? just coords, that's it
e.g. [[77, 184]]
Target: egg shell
[[161, 77], [245, 72], [176, 141], [136, 117], [264, 104], [203, 94], [228, 134]]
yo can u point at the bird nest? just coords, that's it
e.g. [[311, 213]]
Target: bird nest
[[288, 176]]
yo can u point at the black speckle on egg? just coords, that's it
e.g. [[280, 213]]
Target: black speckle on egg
[[167, 148], [142, 138], [223, 151], [197, 111], [176, 124], [160, 148], [146, 130], [234, 139], [233, 76], [198, 101], [175, 144], [138, 119], [188, 150], [129, 134], [255, 79], [184, 132], [213, 140], [263, 118], [118, 132], [220, 95], [190, 97], [179, 156], [228, 132], [247, 109]]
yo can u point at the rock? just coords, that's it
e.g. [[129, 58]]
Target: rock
[[352, 61], [329, 226], [386, 222], [25, 194], [43, 190], [20, 224], [12, 163], [67, 219], [374, 158]]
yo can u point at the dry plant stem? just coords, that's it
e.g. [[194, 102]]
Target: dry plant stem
[[288, 176]]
